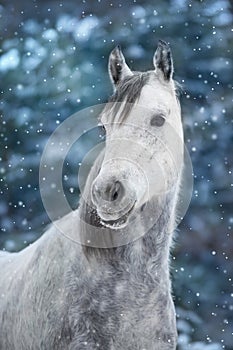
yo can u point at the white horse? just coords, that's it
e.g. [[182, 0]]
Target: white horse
[[56, 294]]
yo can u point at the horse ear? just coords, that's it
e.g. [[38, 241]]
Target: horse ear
[[163, 60], [117, 66]]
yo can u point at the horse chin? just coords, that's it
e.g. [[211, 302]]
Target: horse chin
[[119, 223]]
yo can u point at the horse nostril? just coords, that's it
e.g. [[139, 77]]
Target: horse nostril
[[111, 191], [115, 195], [115, 191]]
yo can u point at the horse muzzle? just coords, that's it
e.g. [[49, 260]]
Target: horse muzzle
[[114, 201]]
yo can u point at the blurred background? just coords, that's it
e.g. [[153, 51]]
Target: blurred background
[[53, 63]]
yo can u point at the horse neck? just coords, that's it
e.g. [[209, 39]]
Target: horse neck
[[154, 245]]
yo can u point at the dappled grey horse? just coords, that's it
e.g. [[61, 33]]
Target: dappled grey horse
[[58, 294]]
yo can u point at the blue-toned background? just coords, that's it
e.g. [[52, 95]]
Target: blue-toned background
[[53, 62]]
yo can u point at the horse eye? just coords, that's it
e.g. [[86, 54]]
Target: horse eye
[[157, 120]]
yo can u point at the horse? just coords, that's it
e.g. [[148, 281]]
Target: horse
[[114, 295]]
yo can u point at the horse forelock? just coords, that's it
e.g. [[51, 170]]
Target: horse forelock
[[128, 92]]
